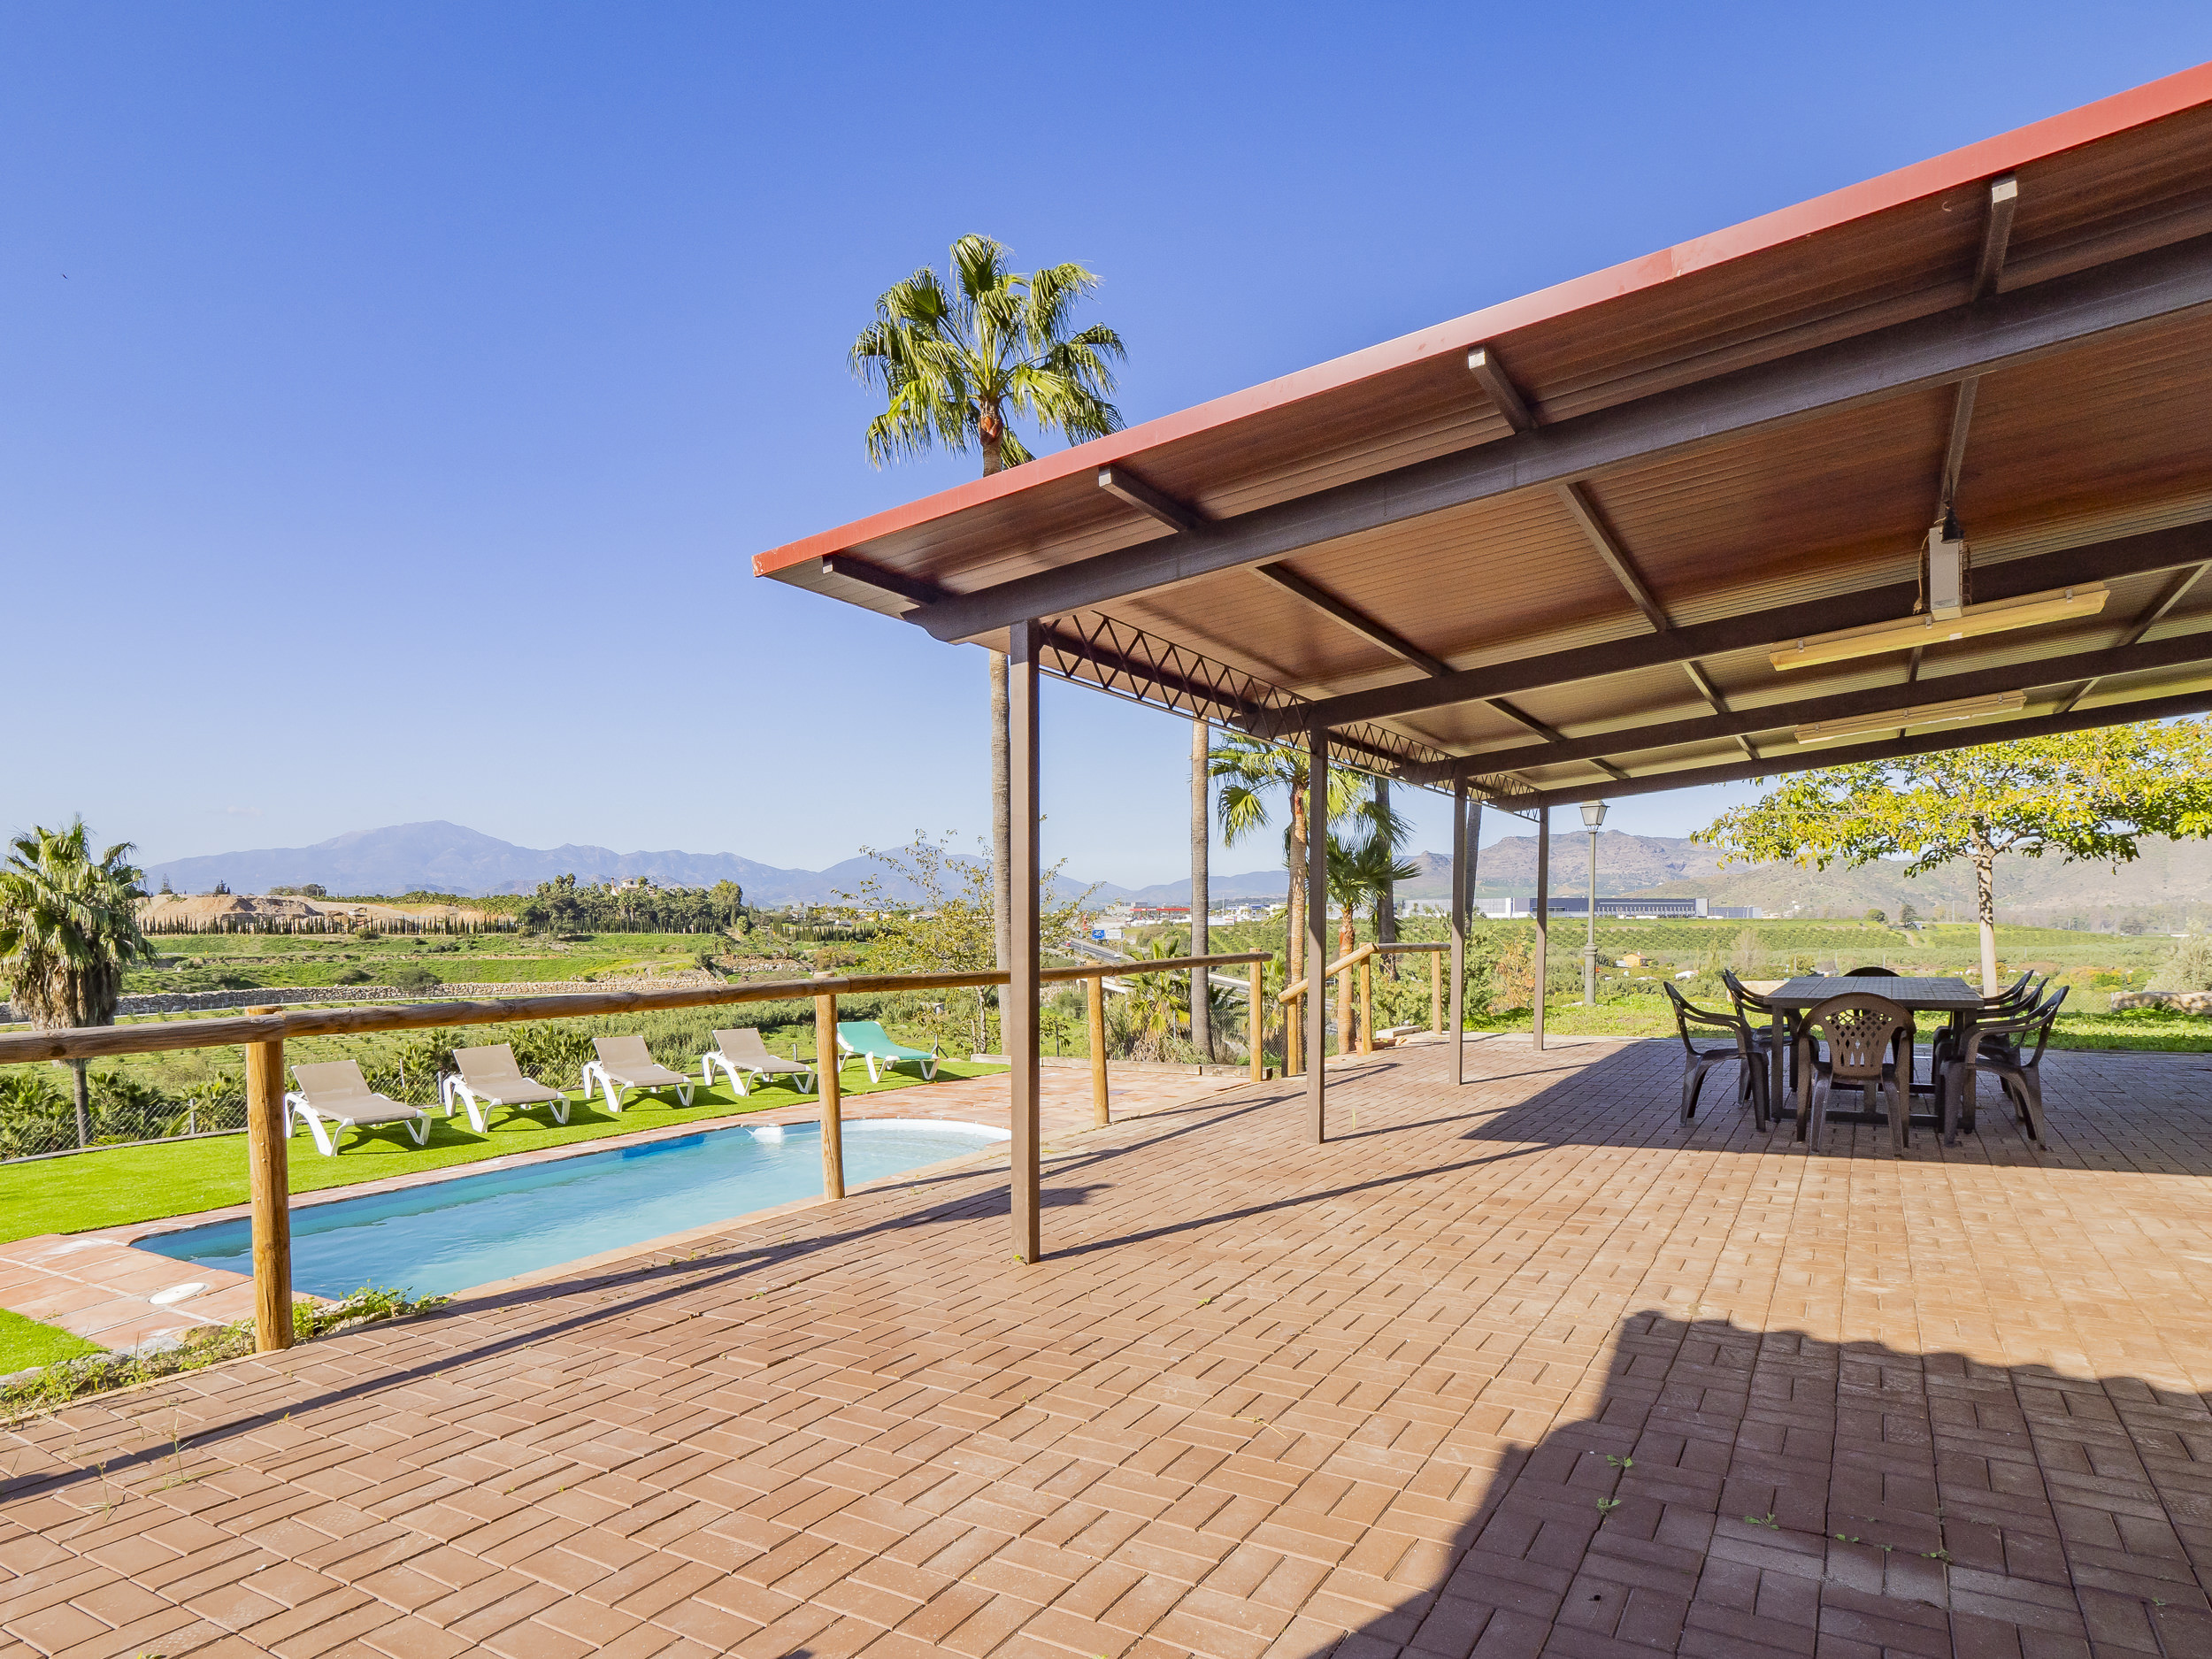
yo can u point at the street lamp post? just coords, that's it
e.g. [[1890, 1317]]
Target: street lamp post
[[1593, 815]]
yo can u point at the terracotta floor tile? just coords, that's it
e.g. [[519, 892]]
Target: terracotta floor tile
[[1521, 1366]]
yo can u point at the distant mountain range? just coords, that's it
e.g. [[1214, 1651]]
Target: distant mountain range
[[443, 857], [2163, 886]]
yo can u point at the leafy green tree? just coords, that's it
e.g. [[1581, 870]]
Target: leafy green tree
[[955, 361], [68, 931], [954, 929], [2083, 794]]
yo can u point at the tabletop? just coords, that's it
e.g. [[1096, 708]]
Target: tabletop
[[1942, 995]]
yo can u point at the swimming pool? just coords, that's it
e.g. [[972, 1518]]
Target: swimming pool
[[448, 1235]]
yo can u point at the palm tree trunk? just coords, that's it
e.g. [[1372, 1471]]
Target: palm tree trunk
[[1201, 837], [84, 1104], [1001, 831]]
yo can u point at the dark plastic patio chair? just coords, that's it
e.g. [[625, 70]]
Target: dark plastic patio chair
[[1999, 1048], [1749, 1003], [2013, 1003], [1751, 1081], [1862, 1030], [1905, 1037]]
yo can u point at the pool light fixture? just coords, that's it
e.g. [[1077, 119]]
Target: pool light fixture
[[2083, 599], [1906, 720]]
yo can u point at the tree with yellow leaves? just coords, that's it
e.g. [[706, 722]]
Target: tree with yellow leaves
[[2082, 795]]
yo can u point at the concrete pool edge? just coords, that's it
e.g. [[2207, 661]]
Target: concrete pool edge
[[675, 1243], [97, 1284]]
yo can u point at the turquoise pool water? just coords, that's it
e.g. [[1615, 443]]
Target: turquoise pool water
[[450, 1235]]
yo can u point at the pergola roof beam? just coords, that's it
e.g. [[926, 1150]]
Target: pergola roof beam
[[914, 589], [1125, 486], [1549, 734], [1932, 350], [1358, 620], [1893, 748], [1578, 506], [2168, 596], [1498, 386], [2132, 658], [1955, 452], [1760, 630], [2004, 196]]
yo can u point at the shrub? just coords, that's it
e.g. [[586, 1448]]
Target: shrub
[[411, 976], [2188, 969]]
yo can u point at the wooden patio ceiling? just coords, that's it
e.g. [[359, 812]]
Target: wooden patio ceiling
[[1550, 547]]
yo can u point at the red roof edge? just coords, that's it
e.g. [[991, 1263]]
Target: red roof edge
[[2139, 106]]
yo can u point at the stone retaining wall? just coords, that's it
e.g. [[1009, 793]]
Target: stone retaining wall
[[2187, 1002]]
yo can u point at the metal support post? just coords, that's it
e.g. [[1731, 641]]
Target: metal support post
[[1018, 1011], [1460, 853], [1317, 1000], [1543, 919]]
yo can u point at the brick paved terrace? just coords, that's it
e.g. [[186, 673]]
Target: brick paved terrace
[[1521, 1367]]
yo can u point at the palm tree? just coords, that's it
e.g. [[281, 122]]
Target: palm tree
[[954, 362], [68, 928], [1360, 876], [1251, 771]]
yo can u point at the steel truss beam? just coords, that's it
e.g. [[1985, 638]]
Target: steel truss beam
[[1939, 349], [1896, 748]]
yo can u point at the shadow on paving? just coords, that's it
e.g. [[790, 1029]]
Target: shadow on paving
[[2157, 1118], [1748, 1493]]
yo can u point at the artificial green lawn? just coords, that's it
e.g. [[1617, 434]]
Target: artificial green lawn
[[178, 1177], [26, 1342]]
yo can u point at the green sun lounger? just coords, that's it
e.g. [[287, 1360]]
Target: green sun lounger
[[866, 1039]]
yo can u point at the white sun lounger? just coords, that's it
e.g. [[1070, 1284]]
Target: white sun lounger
[[489, 1076], [742, 1057], [623, 1063], [334, 1096]]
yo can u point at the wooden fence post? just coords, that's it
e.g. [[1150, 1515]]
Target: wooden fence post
[[269, 1180], [833, 1097], [1367, 1006], [1259, 1028], [1436, 992], [1101, 1107]]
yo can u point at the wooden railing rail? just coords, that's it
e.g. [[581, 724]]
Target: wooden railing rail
[[1149, 965], [264, 1031], [1363, 959], [1291, 993]]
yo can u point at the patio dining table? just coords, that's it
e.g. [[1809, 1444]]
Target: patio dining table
[[1923, 995]]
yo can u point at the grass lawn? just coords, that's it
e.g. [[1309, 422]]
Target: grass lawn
[[147, 1182], [26, 1342]]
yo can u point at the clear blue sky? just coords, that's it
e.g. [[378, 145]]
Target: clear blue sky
[[394, 395]]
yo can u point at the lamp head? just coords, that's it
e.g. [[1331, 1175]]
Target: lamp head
[[1593, 814]]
